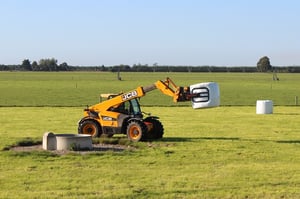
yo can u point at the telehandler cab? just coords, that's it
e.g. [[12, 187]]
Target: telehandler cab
[[121, 113]]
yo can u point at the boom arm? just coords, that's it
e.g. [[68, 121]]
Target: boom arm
[[168, 87]]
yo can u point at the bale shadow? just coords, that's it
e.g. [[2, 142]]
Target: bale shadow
[[288, 141], [287, 113]]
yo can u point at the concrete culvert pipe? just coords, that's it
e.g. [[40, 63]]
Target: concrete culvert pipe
[[67, 141]]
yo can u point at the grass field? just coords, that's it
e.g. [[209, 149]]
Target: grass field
[[225, 152], [81, 89]]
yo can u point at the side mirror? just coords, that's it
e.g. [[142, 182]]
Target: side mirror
[[205, 95]]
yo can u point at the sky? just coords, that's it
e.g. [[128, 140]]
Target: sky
[[162, 32]]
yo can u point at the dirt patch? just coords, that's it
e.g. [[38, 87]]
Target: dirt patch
[[27, 148], [96, 148]]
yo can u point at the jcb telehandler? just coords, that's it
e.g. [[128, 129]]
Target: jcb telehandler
[[121, 113]]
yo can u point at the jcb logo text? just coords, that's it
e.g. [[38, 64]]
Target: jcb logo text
[[129, 95]]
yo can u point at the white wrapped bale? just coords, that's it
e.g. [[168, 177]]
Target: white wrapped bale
[[264, 107], [207, 95]]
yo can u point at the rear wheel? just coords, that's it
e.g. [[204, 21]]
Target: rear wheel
[[157, 131], [136, 130], [89, 127]]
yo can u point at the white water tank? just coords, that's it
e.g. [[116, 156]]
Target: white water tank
[[264, 107]]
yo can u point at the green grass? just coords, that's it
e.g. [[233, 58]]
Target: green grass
[[81, 89], [225, 152]]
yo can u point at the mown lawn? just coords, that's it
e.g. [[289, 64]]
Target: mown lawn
[[225, 152]]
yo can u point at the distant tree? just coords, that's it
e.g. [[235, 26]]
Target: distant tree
[[123, 67], [264, 65], [48, 64], [26, 65], [3, 67], [63, 66], [154, 66], [35, 66], [141, 68]]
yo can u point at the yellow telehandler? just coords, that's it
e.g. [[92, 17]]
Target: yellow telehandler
[[121, 113]]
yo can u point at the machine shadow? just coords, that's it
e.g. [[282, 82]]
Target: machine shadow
[[191, 139], [195, 139]]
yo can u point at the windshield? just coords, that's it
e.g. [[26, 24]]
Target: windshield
[[135, 107], [131, 107]]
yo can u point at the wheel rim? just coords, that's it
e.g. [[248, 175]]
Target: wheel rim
[[90, 129], [134, 133]]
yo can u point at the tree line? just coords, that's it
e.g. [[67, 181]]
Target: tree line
[[51, 64]]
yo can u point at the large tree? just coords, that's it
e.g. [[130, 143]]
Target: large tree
[[35, 66], [264, 65], [48, 64], [26, 65], [63, 66]]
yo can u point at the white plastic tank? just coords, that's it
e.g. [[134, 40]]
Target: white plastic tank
[[208, 95], [264, 107]]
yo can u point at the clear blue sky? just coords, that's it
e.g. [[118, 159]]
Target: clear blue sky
[[166, 32]]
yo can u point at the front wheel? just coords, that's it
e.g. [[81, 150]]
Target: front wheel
[[89, 127], [136, 130]]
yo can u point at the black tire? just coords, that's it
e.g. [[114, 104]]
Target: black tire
[[90, 127], [157, 131], [136, 130]]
